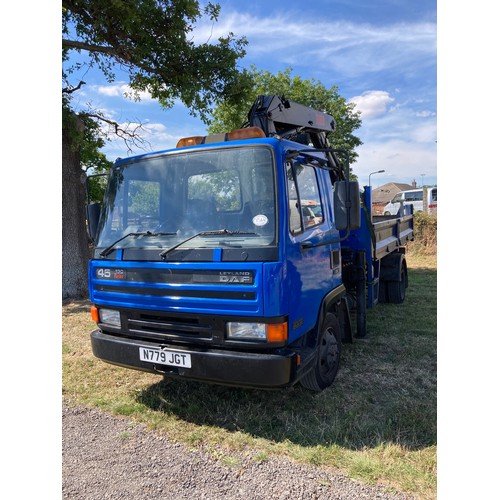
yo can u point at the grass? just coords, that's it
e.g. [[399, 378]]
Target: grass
[[377, 424]]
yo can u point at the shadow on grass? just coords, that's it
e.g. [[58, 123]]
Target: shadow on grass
[[353, 420], [293, 415], [71, 306], [385, 391]]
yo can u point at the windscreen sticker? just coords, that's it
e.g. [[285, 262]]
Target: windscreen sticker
[[260, 220]]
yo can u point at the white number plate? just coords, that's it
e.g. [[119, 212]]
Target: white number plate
[[172, 358]]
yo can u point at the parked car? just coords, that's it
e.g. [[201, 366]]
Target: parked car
[[411, 197]]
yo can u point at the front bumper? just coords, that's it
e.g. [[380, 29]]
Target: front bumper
[[236, 368]]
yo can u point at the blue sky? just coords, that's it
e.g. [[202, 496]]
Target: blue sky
[[381, 54]]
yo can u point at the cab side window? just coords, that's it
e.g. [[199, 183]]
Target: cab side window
[[305, 209]]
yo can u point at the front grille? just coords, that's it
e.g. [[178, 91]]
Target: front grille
[[169, 327]]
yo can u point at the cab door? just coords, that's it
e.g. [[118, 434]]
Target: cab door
[[309, 271]]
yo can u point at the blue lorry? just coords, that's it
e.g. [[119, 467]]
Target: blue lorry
[[245, 258]]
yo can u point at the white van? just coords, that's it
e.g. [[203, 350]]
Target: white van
[[432, 200], [413, 197]]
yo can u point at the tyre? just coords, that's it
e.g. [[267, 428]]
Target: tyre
[[382, 291], [387, 213], [327, 362], [396, 290]]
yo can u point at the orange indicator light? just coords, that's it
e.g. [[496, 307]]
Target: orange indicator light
[[94, 312], [277, 332]]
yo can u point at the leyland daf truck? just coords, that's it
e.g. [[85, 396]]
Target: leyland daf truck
[[245, 258]]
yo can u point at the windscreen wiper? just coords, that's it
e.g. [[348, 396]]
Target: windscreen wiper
[[109, 249], [217, 232]]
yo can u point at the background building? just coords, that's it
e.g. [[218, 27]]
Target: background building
[[384, 194]]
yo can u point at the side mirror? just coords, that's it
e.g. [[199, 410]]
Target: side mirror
[[346, 205], [93, 214], [93, 209]]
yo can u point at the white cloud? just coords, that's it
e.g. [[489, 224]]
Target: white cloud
[[350, 48], [425, 133], [395, 140], [425, 114], [110, 90], [121, 90], [402, 161], [372, 103]]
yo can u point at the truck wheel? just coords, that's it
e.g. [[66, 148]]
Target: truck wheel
[[327, 355], [396, 290], [382, 291]]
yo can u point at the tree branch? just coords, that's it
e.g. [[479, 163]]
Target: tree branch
[[125, 58], [70, 90], [73, 44], [129, 137]]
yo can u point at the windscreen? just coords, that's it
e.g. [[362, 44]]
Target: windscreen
[[216, 198]]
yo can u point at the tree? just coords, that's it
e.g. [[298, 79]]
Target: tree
[[230, 116], [152, 41]]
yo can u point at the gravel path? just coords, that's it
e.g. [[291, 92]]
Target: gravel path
[[107, 457]]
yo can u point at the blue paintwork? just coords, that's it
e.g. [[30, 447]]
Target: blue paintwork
[[295, 285], [176, 304]]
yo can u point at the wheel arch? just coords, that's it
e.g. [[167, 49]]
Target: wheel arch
[[335, 302]]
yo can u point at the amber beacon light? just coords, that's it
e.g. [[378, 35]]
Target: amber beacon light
[[234, 135]]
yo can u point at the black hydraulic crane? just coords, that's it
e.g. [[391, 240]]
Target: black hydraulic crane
[[281, 117]]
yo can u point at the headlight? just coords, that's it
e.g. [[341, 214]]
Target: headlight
[[110, 317], [276, 332], [254, 331]]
